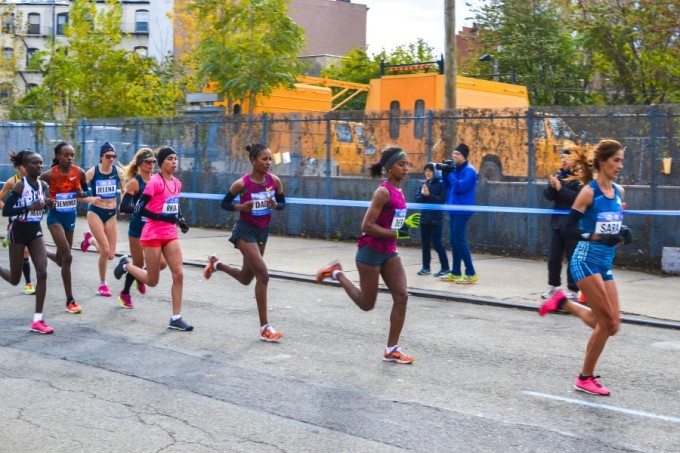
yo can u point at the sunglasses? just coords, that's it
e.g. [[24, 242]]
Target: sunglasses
[[110, 156], [149, 161]]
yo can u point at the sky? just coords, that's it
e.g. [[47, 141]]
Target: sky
[[398, 22]]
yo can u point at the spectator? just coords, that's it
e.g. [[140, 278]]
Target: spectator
[[432, 191]]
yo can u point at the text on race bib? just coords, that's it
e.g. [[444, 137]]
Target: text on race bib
[[105, 188], [608, 222], [66, 202], [260, 199], [398, 219], [171, 205]]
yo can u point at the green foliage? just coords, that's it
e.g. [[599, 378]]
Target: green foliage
[[91, 76], [247, 47], [357, 66]]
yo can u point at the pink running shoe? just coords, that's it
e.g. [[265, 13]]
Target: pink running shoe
[[141, 287], [85, 244], [103, 290], [125, 301], [553, 304], [41, 327], [591, 385]]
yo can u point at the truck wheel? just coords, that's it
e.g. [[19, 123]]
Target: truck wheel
[[490, 171]]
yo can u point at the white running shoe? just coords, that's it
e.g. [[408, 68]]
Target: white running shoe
[[549, 293]]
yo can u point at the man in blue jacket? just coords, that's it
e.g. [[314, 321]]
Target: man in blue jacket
[[461, 189]]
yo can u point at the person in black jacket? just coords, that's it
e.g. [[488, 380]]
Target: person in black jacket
[[432, 191], [562, 191]]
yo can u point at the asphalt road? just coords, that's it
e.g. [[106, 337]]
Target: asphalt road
[[485, 378]]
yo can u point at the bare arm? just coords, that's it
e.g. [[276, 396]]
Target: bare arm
[[369, 226]]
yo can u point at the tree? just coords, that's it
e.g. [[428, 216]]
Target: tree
[[635, 46], [91, 76], [357, 66], [533, 40], [246, 47]]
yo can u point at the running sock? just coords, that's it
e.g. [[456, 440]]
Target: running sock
[[102, 283], [215, 264], [263, 328], [69, 300], [335, 273], [26, 268], [582, 377], [176, 317], [37, 317], [129, 280], [391, 349], [561, 303]]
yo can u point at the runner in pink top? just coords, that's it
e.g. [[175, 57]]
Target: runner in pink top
[[377, 254], [159, 203]]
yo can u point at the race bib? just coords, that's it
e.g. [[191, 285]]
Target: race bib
[[171, 205], [260, 206], [66, 202], [398, 219], [608, 222], [105, 188], [34, 216]]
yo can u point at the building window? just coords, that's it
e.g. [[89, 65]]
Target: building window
[[5, 93], [8, 23], [419, 123], [141, 21], [7, 54], [29, 56], [395, 110], [33, 23], [142, 51], [62, 21]]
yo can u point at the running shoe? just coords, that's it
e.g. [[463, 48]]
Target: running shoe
[[268, 333], [549, 293], [179, 324], [582, 299], [468, 279], [424, 272], [120, 269], [41, 327], [571, 295], [397, 355], [553, 304], [85, 244], [591, 385], [441, 273], [451, 278], [5, 241], [73, 307], [209, 268], [125, 301], [104, 290], [327, 270], [29, 288], [141, 287]]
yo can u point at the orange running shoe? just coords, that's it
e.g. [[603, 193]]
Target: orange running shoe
[[397, 355], [73, 307], [582, 299], [268, 333], [327, 270], [209, 268]]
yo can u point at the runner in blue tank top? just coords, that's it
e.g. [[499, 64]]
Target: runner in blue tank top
[[377, 250], [596, 221]]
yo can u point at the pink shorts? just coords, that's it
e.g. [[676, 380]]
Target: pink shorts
[[156, 242]]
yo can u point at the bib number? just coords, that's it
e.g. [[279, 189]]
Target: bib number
[[608, 222], [105, 188], [398, 219], [171, 206], [65, 202], [260, 206]]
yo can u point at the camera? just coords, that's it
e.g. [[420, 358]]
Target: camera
[[446, 166]]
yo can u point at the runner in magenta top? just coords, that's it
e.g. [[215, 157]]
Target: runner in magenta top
[[377, 250], [259, 193], [159, 203]]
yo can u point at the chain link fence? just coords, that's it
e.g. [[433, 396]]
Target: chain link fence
[[327, 156]]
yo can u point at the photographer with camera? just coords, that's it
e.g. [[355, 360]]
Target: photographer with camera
[[460, 180], [562, 190]]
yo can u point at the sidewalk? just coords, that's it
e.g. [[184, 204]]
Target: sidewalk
[[502, 280]]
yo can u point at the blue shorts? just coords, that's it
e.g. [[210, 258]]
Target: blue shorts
[[371, 257], [104, 214], [249, 233], [135, 227], [591, 258], [66, 219]]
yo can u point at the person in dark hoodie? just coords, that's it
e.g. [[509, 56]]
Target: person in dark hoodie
[[460, 180], [562, 190], [432, 191]]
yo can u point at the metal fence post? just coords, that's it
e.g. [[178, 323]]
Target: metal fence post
[[429, 140], [137, 125], [532, 220], [328, 173], [83, 141], [265, 129], [655, 162]]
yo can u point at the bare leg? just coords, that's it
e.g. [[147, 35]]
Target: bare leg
[[63, 258], [366, 295], [394, 276], [16, 256], [151, 274], [173, 256], [102, 243], [39, 257]]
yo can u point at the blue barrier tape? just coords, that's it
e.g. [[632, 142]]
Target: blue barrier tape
[[429, 207]]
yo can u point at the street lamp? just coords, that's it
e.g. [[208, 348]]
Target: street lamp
[[486, 58]]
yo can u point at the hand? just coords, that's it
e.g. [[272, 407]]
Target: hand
[[607, 239], [403, 233], [247, 206], [413, 221], [425, 190], [49, 203], [183, 225], [92, 199], [626, 234], [555, 182], [37, 205], [271, 203]]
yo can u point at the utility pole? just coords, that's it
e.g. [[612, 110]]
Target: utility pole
[[450, 73]]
